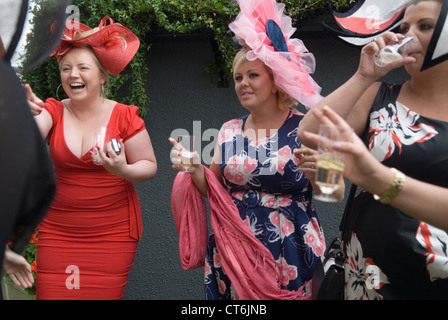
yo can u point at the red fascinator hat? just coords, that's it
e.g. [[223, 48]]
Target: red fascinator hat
[[113, 44]]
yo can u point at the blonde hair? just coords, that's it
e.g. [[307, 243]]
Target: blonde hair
[[284, 99]]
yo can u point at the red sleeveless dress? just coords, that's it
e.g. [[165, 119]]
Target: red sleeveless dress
[[88, 239]]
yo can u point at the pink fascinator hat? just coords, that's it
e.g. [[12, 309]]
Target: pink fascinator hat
[[267, 32]]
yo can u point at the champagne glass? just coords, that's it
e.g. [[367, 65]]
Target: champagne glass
[[99, 137], [393, 52], [186, 154], [329, 165]]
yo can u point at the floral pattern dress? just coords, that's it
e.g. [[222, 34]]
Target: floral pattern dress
[[390, 255], [274, 199]]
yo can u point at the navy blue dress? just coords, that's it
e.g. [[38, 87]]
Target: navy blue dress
[[274, 199]]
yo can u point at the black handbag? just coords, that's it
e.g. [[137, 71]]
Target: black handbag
[[329, 275]]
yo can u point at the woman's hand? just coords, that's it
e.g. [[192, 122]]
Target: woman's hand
[[307, 162], [176, 158], [109, 159], [36, 104], [18, 269], [367, 67], [360, 164], [136, 162]]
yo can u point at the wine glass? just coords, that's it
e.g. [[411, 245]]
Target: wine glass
[[393, 52], [329, 165], [186, 154]]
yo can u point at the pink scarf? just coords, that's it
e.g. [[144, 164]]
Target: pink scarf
[[249, 265]]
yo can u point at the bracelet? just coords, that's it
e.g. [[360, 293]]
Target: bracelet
[[394, 190]]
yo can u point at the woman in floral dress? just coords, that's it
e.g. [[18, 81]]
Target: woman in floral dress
[[273, 198], [389, 254], [258, 168], [255, 163]]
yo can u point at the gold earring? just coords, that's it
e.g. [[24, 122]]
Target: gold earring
[[57, 91]]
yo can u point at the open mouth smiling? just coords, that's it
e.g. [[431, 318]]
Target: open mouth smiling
[[77, 86]]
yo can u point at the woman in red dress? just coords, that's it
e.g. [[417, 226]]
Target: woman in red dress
[[88, 239]]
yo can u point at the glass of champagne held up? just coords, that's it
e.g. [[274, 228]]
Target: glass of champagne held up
[[186, 154], [329, 165]]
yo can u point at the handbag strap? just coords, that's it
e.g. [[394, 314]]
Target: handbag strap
[[347, 210]]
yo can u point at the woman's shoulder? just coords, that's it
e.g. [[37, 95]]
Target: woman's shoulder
[[230, 129], [294, 117], [125, 111], [385, 93], [234, 123], [127, 119], [52, 102], [54, 107], [123, 107], [296, 113]]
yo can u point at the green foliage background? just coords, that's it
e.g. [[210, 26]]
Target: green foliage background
[[173, 16]]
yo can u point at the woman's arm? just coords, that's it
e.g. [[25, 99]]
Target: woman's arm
[[418, 199], [36, 104], [353, 100], [41, 116], [196, 170]]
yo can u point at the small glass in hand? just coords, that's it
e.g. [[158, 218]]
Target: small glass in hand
[[393, 52], [329, 165], [186, 154]]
